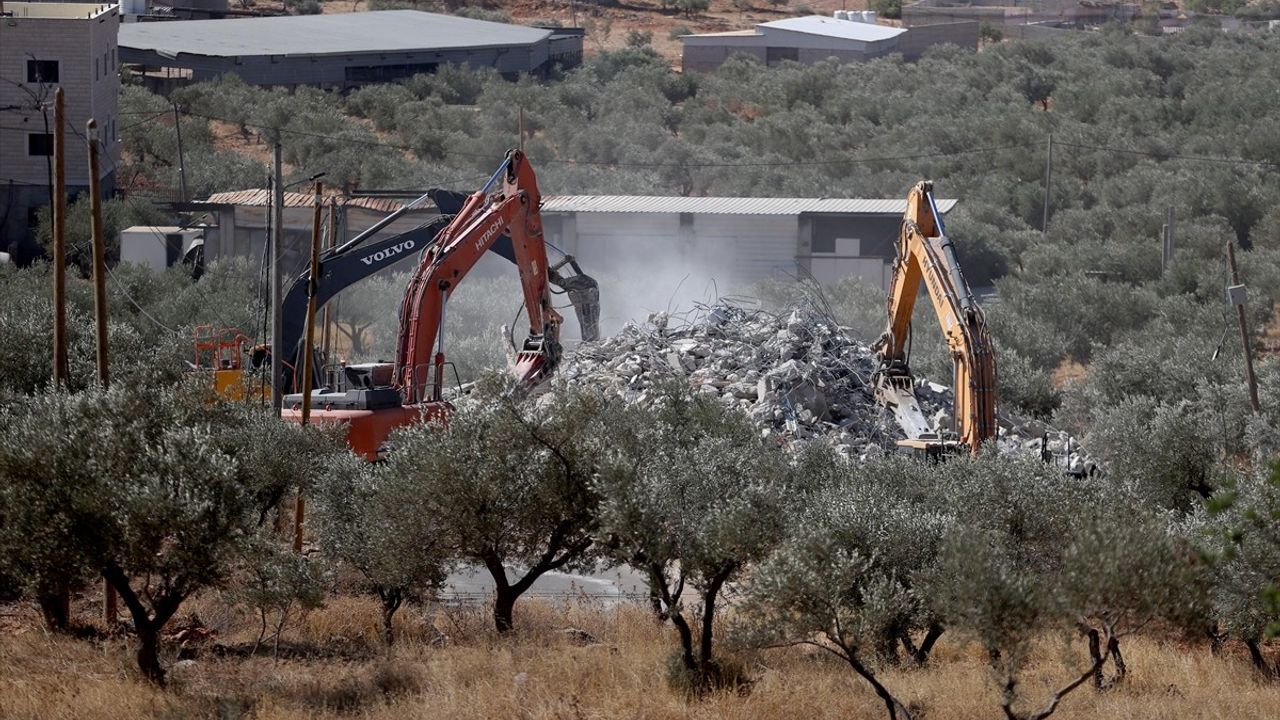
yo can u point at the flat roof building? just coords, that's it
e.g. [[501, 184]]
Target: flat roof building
[[816, 38], [736, 240], [344, 50], [45, 46]]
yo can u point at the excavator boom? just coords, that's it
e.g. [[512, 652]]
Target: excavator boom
[[387, 396], [926, 255]]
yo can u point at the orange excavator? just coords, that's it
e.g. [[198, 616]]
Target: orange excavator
[[383, 397], [926, 254]]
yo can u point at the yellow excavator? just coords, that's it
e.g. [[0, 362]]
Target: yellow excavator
[[926, 254]]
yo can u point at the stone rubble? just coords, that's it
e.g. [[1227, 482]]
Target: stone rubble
[[798, 375]]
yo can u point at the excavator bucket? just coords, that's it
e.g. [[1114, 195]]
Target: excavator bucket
[[536, 361], [584, 295]]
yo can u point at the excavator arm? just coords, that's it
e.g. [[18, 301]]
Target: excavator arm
[[926, 254], [483, 218]]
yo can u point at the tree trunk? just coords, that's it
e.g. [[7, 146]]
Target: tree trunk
[[149, 652], [709, 611], [921, 656], [1259, 662], [890, 702], [1117, 659], [686, 641], [391, 600], [55, 610], [504, 606]]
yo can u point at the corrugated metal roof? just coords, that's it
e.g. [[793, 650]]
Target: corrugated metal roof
[[384, 31], [831, 27], [262, 198], [729, 33], [729, 205]]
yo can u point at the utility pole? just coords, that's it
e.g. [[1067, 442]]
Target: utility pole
[[308, 351], [1048, 185], [277, 279], [61, 371], [182, 165], [60, 367], [325, 332], [1236, 295], [99, 256], [109, 601]]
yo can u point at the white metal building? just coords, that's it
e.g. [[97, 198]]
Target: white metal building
[[816, 38], [736, 240]]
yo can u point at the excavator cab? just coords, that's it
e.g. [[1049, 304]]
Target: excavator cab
[[220, 352]]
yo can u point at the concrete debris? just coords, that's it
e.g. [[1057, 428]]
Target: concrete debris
[[800, 376]]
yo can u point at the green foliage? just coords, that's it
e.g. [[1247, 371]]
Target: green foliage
[[117, 214], [691, 8], [151, 488], [890, 9], [639, 38], [691, 499], [510, 482], [479, 13], [1243, 526], [277, 581], [374, 521]]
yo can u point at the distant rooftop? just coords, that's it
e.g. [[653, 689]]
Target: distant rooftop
[[259, 197], [831, 27], [729, 205], [57, 10], [387, 31]]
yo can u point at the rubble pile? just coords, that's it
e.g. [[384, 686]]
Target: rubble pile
[[798, 375]]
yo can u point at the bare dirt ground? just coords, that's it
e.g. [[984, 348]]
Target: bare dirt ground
[[333, 666]]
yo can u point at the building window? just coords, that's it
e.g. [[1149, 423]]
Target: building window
[[42, 71], [39, 144]]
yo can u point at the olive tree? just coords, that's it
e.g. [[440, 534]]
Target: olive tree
[[148, 487], [1246, 589], [377, 521], [842, 579], [690, 500], [509, 479]]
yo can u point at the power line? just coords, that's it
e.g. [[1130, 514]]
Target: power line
[[1171, 156]]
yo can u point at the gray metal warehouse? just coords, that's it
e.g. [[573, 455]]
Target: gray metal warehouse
[[343, 50]]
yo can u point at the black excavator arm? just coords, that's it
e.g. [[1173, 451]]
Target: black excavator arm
[[347, 265]]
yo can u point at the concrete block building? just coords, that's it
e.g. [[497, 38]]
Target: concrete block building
[[45, 46], [816, 38], [738, 240], [342, 51]]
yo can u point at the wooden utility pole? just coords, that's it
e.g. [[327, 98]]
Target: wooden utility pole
[[308, 352], [182, 165], [99, 256], [277, 279], [1048, 185], [61, 370], [1236, 295], [325, 333], [109, 603]]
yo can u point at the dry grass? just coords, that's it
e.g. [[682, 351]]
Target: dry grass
[[338, 669]]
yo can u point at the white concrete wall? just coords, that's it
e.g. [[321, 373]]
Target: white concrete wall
[[728, 248], [86, 52]]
